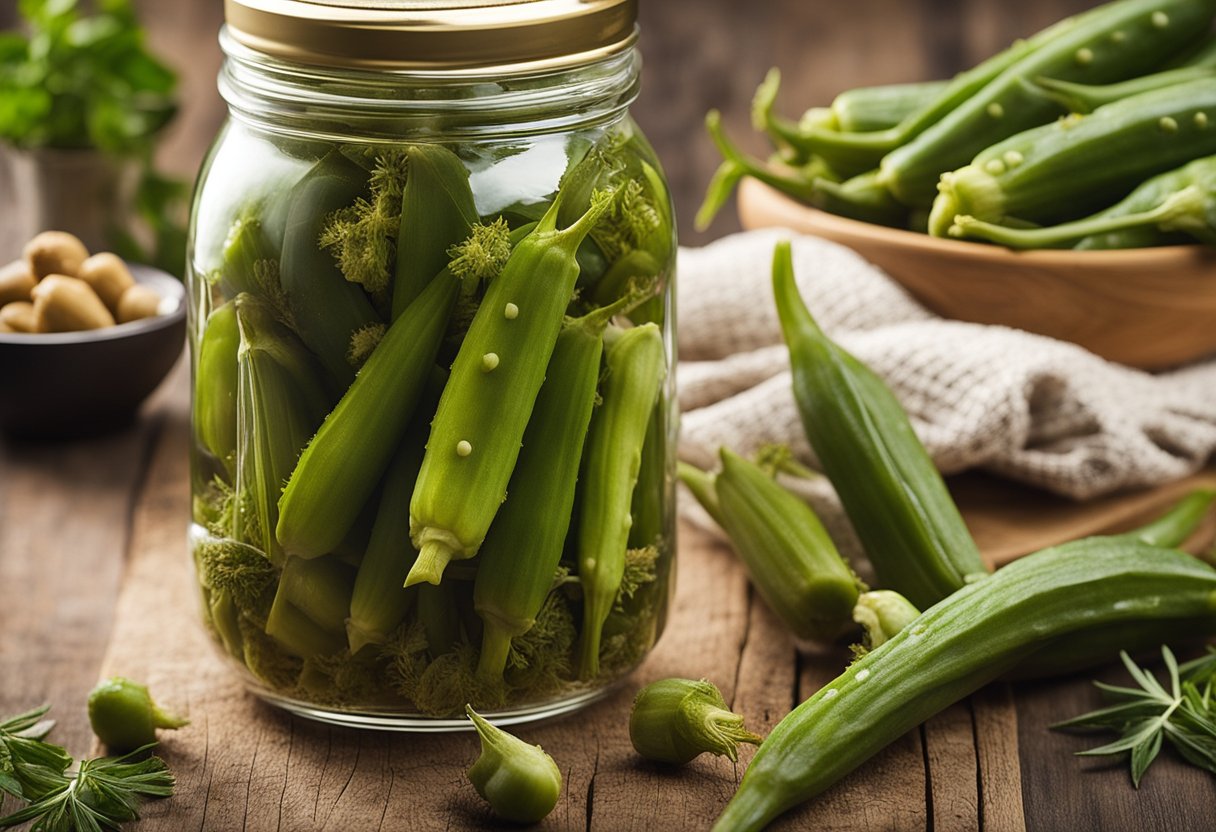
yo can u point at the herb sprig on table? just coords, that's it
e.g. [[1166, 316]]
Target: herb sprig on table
[[100, 794], [1183, 712]]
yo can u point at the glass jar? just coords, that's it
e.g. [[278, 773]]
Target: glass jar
[[432, 340]]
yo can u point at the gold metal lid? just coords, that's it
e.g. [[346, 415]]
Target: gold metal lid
[[434, 34]]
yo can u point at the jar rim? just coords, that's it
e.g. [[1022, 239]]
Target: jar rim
[[448, 36]]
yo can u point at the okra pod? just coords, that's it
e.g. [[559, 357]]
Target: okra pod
[[216, 384], [476, 435], [280, 403], [1121, 40], [703, 486], [326, 309], [881, 614], [675, 721], [956, 647], [342, 464], [865, 109], [637, 366], [861, 198], [894, 497], [1060, 171], [248, 254], [437, 212], [789, 557], [519, 558], [379, 601], [1085, 98]]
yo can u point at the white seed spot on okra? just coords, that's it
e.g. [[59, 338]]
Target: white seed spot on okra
[[489, 362], [510, 312], [1161, 19], [1201, 120], [1167, 125], [862, 675], [464, 448], [830, 693], [918, 630], [995, 110], [994, 166], [1013, 158], [1084, 56]]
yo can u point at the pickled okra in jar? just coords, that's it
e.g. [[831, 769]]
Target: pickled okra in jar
[[433, 417]]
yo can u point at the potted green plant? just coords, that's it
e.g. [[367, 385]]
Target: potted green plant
[[82, 102]]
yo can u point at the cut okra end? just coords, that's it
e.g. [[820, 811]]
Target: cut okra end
[[520, 781], [434, 555], [676, 720]]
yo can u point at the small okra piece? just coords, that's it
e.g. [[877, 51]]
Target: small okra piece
[[326, 309], [109, 277], [479, 426], [16, 282], [124, 717], [216, 385], [636, 369], [437, 212], [882, 613], [520, 781], [54, 252], [789, 557], [676, 720], [891, 491], [520, 555]]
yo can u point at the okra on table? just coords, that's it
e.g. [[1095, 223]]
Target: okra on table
[[894, 497], [955, 647]]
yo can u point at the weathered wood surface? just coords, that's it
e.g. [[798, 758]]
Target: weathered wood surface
[[95, 580]]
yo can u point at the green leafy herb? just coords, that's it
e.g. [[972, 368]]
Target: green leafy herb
[[80, 81], [1184, 712], [26, 762], [100, 795]]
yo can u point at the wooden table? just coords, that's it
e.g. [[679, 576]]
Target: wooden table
[[95, 580]]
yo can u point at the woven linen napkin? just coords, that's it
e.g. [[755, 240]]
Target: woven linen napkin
[[1030, 408]]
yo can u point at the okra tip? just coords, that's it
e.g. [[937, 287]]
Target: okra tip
[[433, 557], [791, 309]]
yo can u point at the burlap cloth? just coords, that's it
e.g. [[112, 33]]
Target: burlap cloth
[[1022, 406]]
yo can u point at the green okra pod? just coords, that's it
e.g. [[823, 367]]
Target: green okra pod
[[326, 309], [703, 486], [1060, 171], [1085, 98], [1087, 50], [343, 463], [865, 109], [1173, 528], [956, 647], [519, 781], [1178, 202], [475, 437], [379, 601], [637, 367], [789, 557], [250, 261], [861, 199], [882, 613], [520, 556], [124, 717], [216, 384], [437, 212], [280, 402], [311, 604], [894, 497], [676, 720]]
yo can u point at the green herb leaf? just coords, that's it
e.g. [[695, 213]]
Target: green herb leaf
[[1181, 712]]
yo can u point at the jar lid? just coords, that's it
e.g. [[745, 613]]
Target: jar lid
[[441, 35]]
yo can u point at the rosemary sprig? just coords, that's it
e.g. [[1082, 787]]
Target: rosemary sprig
[[1182, 712]]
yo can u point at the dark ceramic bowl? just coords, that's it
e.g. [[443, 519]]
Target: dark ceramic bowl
[[64, 384]]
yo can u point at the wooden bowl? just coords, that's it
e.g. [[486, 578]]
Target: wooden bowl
[[1150, 308], [69, 384]]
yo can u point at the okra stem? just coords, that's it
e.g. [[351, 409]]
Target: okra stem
[[1179, 523], [701, 485]]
